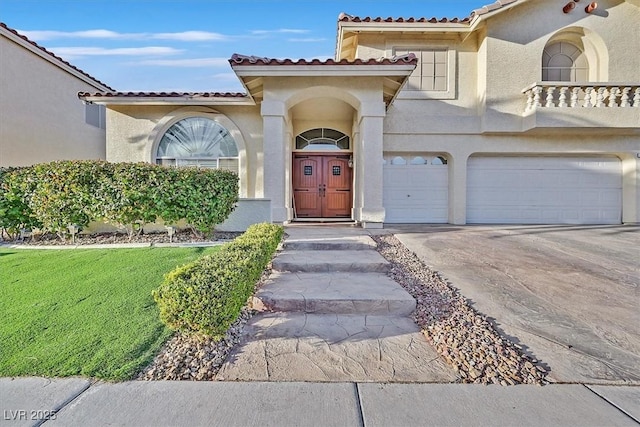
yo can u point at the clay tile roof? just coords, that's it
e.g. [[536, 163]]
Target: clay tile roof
[[343, 17], [164, 94], [491, 7], [11, 30], [238, 59]]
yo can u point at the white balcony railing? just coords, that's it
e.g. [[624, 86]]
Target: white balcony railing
[[582, 95]]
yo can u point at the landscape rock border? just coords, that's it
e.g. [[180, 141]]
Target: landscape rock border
[[107, 238], [462, 336]]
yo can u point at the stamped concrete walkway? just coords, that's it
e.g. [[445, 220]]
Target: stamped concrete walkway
[[333, 315]]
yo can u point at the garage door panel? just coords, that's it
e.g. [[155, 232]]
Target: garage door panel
[[416, 193], [544, 190]]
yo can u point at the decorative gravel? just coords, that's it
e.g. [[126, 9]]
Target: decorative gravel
[[192, 358], [110, 238], [462, 336]]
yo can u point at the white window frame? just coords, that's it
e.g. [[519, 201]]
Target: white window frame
[[452, 81]]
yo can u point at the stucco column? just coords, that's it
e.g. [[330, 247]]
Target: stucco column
[[371, 211], [275, 161], [631, 188], [458, 188]]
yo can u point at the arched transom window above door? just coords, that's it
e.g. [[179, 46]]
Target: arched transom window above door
[[198, 141], [564, 62], [322, 139]]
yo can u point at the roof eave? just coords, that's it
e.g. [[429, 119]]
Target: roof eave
[[166, 100], [47, 56], [404, 27], [323, 70]]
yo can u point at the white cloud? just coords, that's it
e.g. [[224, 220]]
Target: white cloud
[[187, 36], [306, 40], [279, 31], [89, 34], [186, 63], [76, 52]]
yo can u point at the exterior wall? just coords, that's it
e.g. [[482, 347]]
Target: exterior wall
[[487, 113], [513, 39], [133, 131], [482, 113], [41, 117]]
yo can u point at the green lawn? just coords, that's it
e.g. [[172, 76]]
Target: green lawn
[[83, 312]]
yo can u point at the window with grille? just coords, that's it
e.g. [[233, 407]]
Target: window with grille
[[432, 71], [564, 62], [200, 142]]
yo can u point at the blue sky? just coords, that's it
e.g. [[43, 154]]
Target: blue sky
[[184, 45]]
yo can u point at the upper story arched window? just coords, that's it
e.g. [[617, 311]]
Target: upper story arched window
[[322, 139], [198, 141], [564, 62]]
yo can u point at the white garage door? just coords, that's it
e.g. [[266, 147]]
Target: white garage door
[[544, 190], [416, 189]]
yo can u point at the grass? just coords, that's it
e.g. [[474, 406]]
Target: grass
[[83, 312]]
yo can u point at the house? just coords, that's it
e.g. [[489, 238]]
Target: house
[[41, 119], [526, 112]]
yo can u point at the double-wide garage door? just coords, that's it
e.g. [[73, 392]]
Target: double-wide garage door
[[544, 190]]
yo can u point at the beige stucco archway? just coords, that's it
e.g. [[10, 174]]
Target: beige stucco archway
[[593, 46], [175, 116], [357, 110]]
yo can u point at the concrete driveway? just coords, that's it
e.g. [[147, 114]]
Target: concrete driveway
[[570, 295]]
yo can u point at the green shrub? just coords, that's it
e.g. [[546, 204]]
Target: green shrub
[[16, 185], [63, 194], [52, 196], [206, 296], [203, 198]]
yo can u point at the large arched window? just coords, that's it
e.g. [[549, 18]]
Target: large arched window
[[564, 62], [198, 141], [322, 139]]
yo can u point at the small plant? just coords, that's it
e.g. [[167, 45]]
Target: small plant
[[207, 295]]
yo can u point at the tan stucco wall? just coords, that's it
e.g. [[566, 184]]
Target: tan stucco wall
[[133, 130], [41, 117], [484, 113], [516, 39], [487, 115]]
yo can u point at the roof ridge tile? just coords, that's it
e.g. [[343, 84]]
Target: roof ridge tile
[[238, 59]]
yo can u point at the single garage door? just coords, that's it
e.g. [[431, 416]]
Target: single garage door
[[544, 190], [416, 189]]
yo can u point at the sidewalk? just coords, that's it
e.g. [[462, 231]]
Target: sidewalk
[[77, 402]]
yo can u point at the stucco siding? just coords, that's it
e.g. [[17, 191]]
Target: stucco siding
[[132, 131], [41, 117]]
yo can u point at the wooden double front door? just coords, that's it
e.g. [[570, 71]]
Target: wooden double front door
[[322, 186]]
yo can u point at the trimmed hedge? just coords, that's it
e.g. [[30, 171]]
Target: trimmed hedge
[[15, 213], [206, 296], [52, 196]]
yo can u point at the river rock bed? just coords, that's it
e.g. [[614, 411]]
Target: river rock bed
[[462, 336], [183, 236], [192, 358]]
